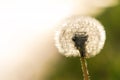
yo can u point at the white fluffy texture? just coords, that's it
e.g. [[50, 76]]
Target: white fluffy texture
[[77, 24]]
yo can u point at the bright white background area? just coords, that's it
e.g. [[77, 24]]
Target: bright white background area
[[27, 37]]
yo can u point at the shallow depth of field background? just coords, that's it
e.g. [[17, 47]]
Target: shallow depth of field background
[[27, 46], [106, 65]]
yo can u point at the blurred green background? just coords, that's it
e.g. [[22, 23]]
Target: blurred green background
[[106, 65]]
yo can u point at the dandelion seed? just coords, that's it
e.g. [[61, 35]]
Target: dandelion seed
[[80, 33]]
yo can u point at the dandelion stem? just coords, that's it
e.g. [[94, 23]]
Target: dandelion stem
[[79, 41], [84, 68]]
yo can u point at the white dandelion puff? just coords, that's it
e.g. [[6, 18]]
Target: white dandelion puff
[[80, 34]]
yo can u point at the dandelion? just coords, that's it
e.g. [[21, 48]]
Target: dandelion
[[73, 30], [81, 36]]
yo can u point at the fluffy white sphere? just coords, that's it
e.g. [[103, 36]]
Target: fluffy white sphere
[[80, 25]]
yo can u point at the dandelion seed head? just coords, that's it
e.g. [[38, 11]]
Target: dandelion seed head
[[81, 26]]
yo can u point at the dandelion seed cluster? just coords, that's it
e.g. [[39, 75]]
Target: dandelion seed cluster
[[80, 25]]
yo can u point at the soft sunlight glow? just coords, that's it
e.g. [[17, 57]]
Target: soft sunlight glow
[[23, 28]]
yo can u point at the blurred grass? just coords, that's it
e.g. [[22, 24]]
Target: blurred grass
[[106, 65]]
